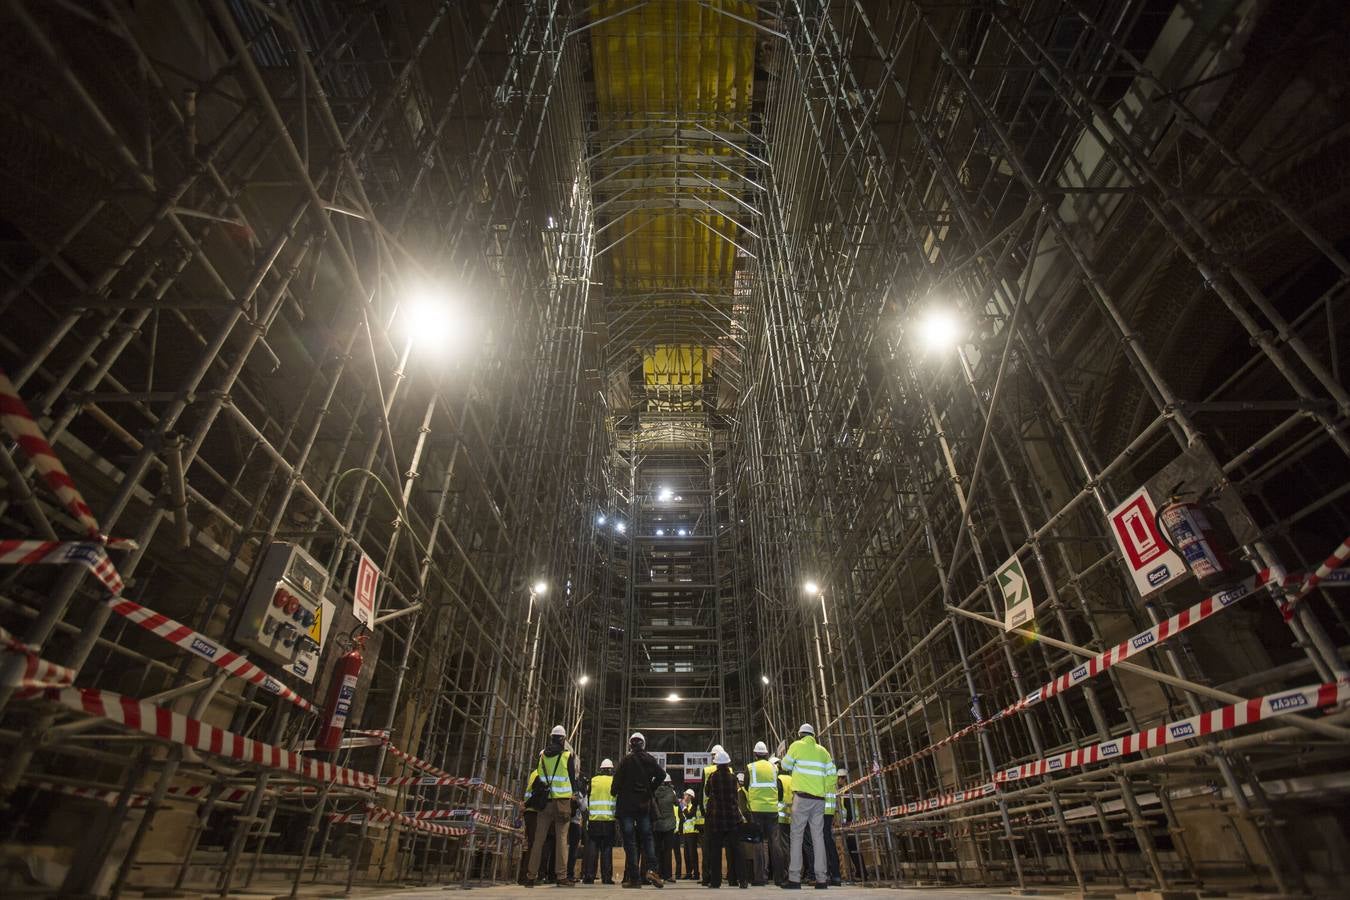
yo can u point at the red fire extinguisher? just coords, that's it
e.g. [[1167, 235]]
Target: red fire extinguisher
[[1196, 530], [341, 694]]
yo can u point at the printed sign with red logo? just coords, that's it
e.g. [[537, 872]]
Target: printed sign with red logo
[[363, 598], [1152, 563]]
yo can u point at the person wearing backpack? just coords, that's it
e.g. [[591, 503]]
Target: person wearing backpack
[[551, 797]]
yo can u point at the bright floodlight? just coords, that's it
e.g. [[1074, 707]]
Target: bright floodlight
[[764, 678], [539, 588], [600, 520], [583, 679], [811, 588], [660, 532], [433, 319], [939, 329], [681, 532], [665, 494], [620, 527], [673, 697]]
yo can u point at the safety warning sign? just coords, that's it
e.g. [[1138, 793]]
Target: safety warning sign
[[363, 598], [1152, 564]]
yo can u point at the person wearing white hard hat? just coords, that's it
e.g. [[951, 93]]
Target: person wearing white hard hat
[[635, 784], [551, 797], [691, 825], [722, 813], [707, 859], [813, 776], [600, 830], [761, 791]]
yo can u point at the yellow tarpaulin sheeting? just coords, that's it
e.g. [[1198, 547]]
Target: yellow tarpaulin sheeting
[[673, 366], [673, 83]]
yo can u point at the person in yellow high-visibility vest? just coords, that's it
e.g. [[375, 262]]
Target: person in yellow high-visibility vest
[[557, 771], [600, 829], [761, 789], [691, 821], [813, 776]]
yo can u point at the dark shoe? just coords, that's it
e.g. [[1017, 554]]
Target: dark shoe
[[588, 881], [791, 885], [822, 885], [654, 880], [528, 882], [835, 882], [744, 885], [566, 882], [630, 884]]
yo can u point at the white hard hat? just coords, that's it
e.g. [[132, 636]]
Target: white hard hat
[[558, 731], [717, 748], [606, 763], [806, 729], [842, 773], [774, 760], [721, 757], [689, 792], [761, 747], [636, 736], [667, 778], [740, 777]]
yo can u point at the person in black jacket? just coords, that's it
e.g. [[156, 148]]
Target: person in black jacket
[[635, 783], [722, 821]]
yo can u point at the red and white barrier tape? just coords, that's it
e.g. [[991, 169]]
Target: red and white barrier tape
[[89, 554], [93, 557], [38, 674], [159, 722], [19, 422], [1090, 668], [380, 814], [434, 776], [1322, 572], [198, 644], [1131, 646], [1225, 718]]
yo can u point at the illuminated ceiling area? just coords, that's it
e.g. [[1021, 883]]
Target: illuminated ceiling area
[[673, 174]]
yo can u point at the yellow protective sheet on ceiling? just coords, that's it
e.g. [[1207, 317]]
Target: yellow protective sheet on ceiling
[[664, 366], [670, 77]]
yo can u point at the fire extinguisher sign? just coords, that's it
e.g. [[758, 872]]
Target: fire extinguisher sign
[[1153, 565], [363, 598]]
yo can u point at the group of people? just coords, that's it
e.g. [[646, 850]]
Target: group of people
[[763, 819]]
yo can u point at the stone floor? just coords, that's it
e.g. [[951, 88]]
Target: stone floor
[[691, 891]]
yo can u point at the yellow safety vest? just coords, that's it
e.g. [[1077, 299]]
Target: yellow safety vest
[[812, 767], [555, 775], [785, 805], [602, 798], [829, 802], [762, 786], [690, 823]]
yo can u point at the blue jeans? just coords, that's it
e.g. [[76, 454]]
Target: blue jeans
[[634, 827]]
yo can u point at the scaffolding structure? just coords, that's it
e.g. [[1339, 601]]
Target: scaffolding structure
[[691, 248], [1144, 281], [219, 219]]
